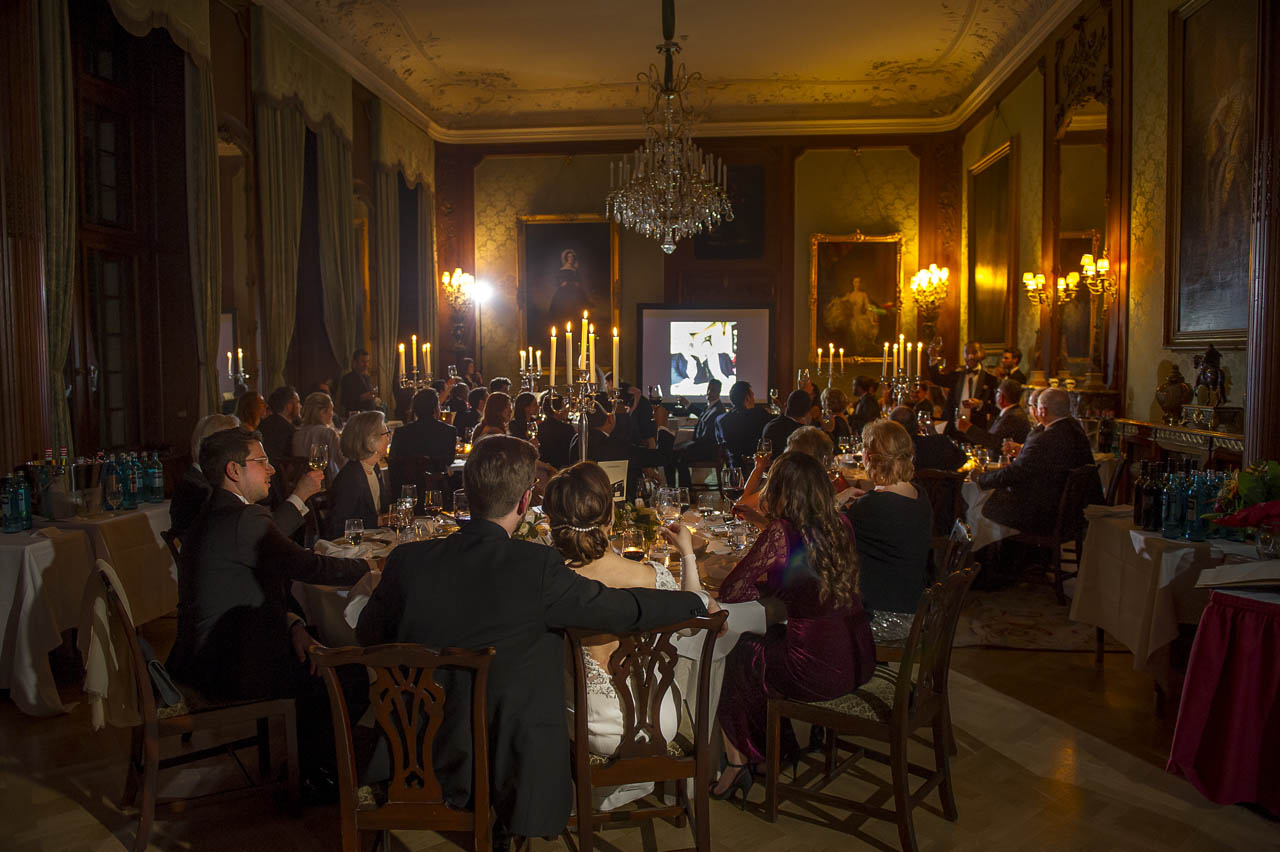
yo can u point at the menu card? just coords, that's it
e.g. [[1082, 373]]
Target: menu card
[[1265, 573]]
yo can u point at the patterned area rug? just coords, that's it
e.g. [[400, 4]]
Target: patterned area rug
[[1025, 615]]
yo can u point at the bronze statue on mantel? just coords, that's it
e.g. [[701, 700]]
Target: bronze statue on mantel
[[1209, 394], [1172, 395]]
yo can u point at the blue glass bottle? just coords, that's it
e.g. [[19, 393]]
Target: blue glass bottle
[[1195, 528], [1173, 507], [155, 473], [111, 495], [10, 510], [129, 483], [24, 500]]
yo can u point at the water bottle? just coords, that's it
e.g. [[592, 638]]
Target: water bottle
[[140, 476], [110, 484], [1193, 526], [128, 482], [156, 473], [1173, 507], [10, 508], [24, 500]]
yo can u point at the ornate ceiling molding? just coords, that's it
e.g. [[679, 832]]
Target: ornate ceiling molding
[[1012, 59]]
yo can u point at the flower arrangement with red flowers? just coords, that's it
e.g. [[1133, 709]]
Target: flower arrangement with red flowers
[[1250, 499]]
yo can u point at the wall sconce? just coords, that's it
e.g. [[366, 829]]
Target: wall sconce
[[462, 291], [1068, 287], [929, 291], [1034, 285], [1096, 275]]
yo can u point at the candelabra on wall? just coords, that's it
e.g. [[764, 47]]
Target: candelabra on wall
[[929, 291]]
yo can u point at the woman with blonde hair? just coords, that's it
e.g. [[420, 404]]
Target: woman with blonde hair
[[498, 412], [579, 504], [893, 524], [360, 490], [819, 643], [317, 428]]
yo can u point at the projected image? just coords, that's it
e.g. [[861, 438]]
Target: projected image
[[700, 352]]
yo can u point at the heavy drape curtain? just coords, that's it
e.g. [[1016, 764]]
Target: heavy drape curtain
[[384, 300], [296, 86], [57, 120], [203, 232], [401, 147], [281, 146], [337, 242]]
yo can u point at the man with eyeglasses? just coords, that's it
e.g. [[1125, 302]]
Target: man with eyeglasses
[[235, 636]]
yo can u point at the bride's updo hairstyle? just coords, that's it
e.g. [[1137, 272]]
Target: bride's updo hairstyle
[[579, 504]]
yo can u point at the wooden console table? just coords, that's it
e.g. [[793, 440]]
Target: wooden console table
[[1144, 441]]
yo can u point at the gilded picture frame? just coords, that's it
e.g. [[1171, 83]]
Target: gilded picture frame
[[855, 293], [1213, 102], [544, 240], [992, 240]]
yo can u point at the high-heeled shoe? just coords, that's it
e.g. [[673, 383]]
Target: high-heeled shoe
[[742, 781]]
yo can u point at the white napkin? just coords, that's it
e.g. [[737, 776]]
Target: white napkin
[[349, 551]]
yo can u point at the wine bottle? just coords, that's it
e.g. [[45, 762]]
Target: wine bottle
[[1151, 494], [1139, 494]]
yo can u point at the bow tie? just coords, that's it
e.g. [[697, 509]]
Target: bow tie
[[975, 371]]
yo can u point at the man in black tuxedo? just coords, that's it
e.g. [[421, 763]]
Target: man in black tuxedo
[[865, 407], [703, 448], [610, 437], [427, 436], [355, 391], [1027, 491], [795, 415], [193, 491], [1010, 359], [277, 427], [480, 588], [555, 432], [740, 428], [1011, 425], [932, 451], [971, 384], [235, 641]]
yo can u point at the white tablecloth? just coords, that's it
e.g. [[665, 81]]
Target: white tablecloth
[[985, 530], [42, 580], [130, 541], [1138, 586]]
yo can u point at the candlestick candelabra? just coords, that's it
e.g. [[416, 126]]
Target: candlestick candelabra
[[415, 380], [239, 378], [580, 399], [529, 376], [900, 386]]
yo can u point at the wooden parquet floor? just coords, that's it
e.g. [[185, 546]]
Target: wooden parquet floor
[[1053, 755]]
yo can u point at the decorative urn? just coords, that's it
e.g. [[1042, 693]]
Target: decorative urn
[[1172, 395]]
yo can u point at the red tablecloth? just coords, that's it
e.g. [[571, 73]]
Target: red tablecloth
[[1227, 740]]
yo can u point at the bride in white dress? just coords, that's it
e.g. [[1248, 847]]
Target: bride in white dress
[[579, 504]]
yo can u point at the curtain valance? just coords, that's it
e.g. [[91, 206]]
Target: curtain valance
[[402, 145], [187, 22], [286, 67]]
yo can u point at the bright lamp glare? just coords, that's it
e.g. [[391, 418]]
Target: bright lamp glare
[[481, 292]]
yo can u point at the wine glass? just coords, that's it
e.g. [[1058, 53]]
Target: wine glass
[[113, 490], [773, 399], [409, 492], [633, 544], [764, 449], [734, 484], [707, 506], [655, 394], [1267, 541], [668, 505], [319, 457], [353, 530], [682, 499], [431, 502], [461, 508], [453, 371]]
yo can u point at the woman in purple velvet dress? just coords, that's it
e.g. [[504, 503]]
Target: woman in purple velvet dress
[[808, 564]]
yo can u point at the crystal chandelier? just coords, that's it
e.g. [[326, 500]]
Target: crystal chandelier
[[668, 188]]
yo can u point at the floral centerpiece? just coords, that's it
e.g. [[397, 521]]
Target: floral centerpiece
[[533, 527], [1250, 499], [641, 517]]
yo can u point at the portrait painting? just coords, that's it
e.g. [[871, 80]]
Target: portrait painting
[[1212, 116], [855, 284], [993, 247], [568, 264]]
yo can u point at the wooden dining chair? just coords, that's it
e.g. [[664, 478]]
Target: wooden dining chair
[[193, 713], [1066, 542], [174, 544], [958, 550], [642, 672], [408, 706], [889, 708], [944, 490]]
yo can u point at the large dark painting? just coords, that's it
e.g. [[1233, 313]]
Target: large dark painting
[[993, 247], [741, 238], [855, 284], [1212, 120], [568, 264]]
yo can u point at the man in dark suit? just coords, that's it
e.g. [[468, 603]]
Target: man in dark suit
[[355, 391], [932, 451], [277, 427], [610, 438], [703, 448], [739, 429], [467, 420], [193, 491], [1010, 359], [1011, 425], [555, 433], [971, 384], [1027, 491], [234, 637], [480, 588], [865, 407], [427, 436], [795, 415]]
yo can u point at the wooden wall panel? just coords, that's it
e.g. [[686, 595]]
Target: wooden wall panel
[[455, 240], [24, 367]]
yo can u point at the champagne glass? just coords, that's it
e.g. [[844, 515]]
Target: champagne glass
[[734, 486], [461, 508], [431, 502], [353, 530], [633, 544], [319, 457]]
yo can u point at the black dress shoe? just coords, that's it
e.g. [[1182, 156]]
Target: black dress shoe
[[319, 787]]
